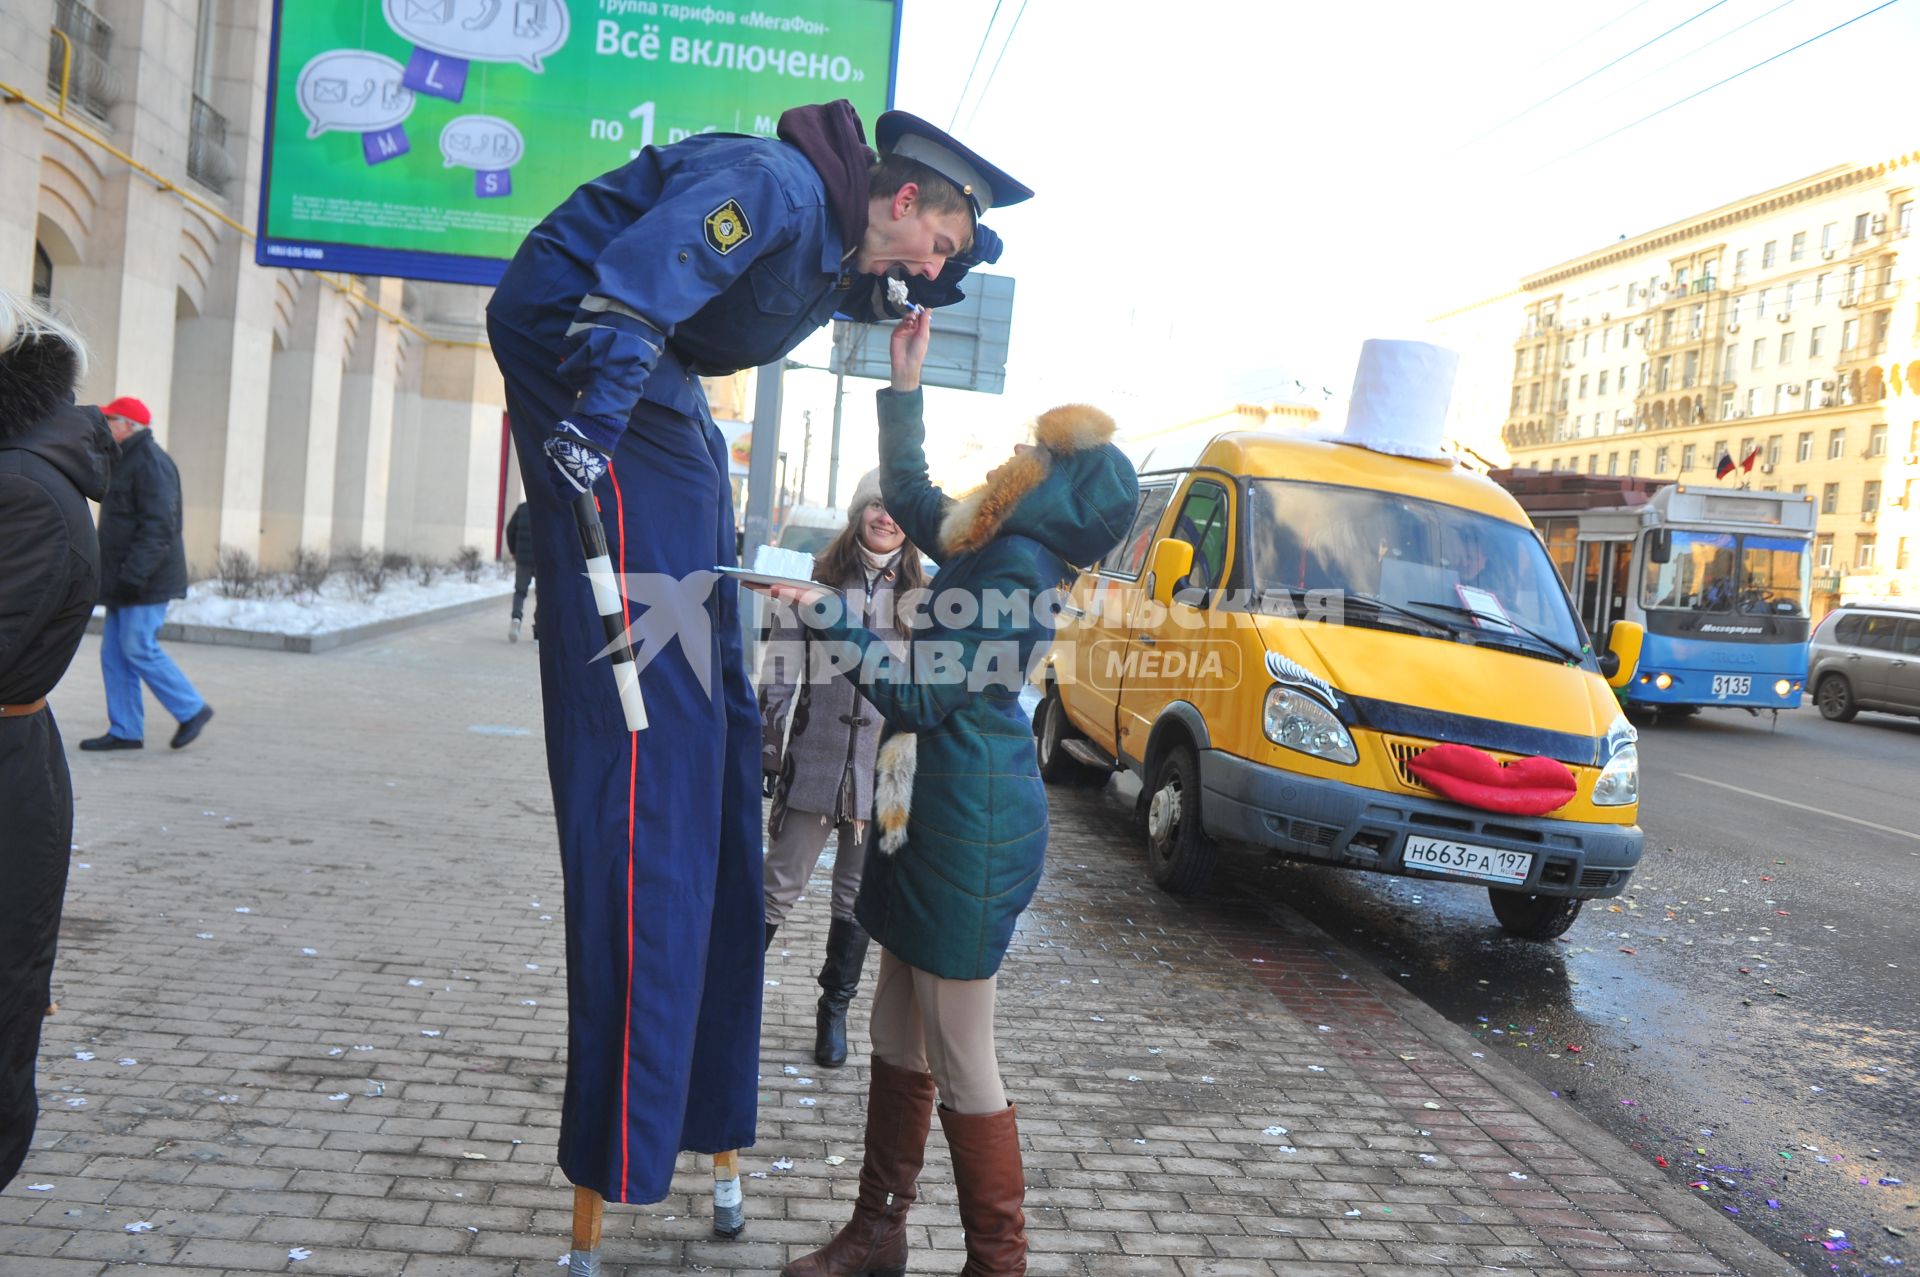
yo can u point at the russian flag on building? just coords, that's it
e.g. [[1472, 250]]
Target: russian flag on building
[[1723, 467]]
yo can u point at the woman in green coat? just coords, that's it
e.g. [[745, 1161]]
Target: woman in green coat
[[960, 811]]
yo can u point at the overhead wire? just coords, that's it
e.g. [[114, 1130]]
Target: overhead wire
[[977, 54], [1669, 65], [1554, 57], [1565, 89], [1011, 32], [1587, 146]]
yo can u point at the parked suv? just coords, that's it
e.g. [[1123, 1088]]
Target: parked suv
[[1866, 657]]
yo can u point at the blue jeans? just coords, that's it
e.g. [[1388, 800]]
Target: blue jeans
[[130, 652]]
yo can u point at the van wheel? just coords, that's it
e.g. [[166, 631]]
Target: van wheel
[[1534, 917], [1836, 699], [1179, 853], [1051, 727]]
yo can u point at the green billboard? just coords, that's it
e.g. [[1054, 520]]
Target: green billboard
[[425, 138]]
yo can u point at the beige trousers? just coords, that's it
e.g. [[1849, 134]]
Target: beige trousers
[[943, 1027], [792, 856]]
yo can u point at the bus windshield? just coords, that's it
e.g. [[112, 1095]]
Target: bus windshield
[[1470, 571], [1730, 572]]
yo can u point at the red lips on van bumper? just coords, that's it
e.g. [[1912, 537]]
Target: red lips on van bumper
[[1525, 787]]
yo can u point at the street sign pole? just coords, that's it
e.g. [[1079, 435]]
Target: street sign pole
[[760, 480]]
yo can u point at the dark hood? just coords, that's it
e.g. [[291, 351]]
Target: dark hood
[[73, 440], [1082, 508], [831, 137]]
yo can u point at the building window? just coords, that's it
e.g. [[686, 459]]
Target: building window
[[1760, 305], [1860, 227], [1792, 286], [1583, 385], [1820, 287], [1836, 444], [1773, 450], [1830, 499], [1904, 220], [1827, 233], [1849, 334], [1740, 263], [1824, 554], [1877, 442], [1870, 497], [1690, 370], [1726, 406], [1863, 553], [1783, 396], [1786, 348], [1643, 374], [1633, 462], [1602, 387], [1813, 342], [1769, 253], [1519, 364], [1799, 247], [1686, 457], [1660, 458], [1753, 402], [1665, 373], [1800, 489], [1901, 558], [1593, 463], [1613, 463], [42, 273], [1680, 277], [1806, 446], [1533, 397], [1759, 353]]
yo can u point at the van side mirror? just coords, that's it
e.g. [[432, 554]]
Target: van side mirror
[[1172, 561], [1660, 545], [1623, 653]]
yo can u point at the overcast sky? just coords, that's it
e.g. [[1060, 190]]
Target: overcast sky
[[1231, 196]]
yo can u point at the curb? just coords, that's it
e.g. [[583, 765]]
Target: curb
[[1724, 1239], [325, 640]]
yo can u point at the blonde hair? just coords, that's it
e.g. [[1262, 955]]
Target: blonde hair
[[23, 320]]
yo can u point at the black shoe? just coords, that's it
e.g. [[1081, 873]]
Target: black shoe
[[771, 928], [190, 730], [839, 981], [110, 741]]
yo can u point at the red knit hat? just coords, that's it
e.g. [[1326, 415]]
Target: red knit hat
[[130, 408]]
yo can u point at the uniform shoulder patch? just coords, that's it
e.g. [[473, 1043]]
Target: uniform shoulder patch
[[727, 228]]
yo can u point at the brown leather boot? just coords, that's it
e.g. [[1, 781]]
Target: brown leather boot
[[874, 1242], [991, 1184]]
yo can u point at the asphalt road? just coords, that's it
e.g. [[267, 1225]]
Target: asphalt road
[[1747, 1010]]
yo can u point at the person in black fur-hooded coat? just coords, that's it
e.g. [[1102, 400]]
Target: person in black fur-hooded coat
[[53, 457]]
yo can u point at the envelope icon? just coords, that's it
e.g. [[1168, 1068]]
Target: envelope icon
[[439, 11], [329, 90]]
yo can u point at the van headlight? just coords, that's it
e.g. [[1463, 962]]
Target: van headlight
[[1297, 721], [1619, 782]]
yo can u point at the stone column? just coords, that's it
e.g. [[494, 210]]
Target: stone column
[[303, 422], [24, 38], [362, 460]]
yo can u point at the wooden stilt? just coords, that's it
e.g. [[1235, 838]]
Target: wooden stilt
[[729, 1203], [589, 1209]]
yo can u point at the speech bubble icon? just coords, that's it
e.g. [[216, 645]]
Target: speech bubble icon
[[486, 143], [522, 31], [352, 90]]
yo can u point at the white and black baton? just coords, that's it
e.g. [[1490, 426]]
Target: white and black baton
[[606, 601]]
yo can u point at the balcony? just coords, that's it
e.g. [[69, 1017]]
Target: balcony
[[1871, 294], [89, 81], [208, 160], [1865, 353]]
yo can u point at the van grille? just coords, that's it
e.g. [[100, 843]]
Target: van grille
[[1404, 749]]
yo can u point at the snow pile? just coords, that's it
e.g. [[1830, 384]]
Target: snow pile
[[334, 607]]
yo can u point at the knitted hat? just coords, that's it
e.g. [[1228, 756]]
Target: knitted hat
[[130, 408], [865, 493]]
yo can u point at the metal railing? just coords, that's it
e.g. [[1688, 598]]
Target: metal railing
[[208, 160], [80, 58]]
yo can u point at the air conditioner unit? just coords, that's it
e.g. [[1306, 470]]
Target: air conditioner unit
[[1586, 320], [1828, 387], [1605, 315], [1826, 254], [1766, 467], [1867, 516], [1733, 328], [1566, 363], [1783, 316], [1639, 330], [1898, 503], [1793, 390], [1878, 224], [1912, 459]]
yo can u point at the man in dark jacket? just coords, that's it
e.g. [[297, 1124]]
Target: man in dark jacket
[[53, 457], [520, 546], [143, 565]]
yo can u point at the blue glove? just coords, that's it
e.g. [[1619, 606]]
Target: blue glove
[[580, 447]]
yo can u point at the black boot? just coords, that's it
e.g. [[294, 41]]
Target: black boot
[[839, 981], [771, 928]]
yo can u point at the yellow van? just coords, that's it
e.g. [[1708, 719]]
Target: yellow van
[[1291, 624]]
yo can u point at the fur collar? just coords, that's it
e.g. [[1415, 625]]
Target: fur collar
[[975, 518], [36, 376]]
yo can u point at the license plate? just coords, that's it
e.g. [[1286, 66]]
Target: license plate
[[1732, 684], [1489, 864]]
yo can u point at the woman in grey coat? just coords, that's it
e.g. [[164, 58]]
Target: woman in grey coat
[[819, 771]]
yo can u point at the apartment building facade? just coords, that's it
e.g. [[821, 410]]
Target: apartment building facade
[[1778, 330]]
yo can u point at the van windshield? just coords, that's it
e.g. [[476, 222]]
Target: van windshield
[[1473, 574]]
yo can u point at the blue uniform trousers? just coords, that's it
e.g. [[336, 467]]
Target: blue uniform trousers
[[659, 829]]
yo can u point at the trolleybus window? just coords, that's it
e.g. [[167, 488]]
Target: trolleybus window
[[1774, 575]]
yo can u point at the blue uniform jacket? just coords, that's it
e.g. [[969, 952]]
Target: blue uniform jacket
[[711, 255]]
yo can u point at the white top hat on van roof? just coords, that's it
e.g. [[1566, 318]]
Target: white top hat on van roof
[[1401, 390]]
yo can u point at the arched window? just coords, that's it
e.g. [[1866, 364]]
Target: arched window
[[42, 273]]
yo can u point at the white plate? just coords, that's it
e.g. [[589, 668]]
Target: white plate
[[1733, 684], [747, 576], [1466, 860]]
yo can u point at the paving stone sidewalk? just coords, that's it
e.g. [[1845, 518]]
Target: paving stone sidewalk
[[313, 1003]]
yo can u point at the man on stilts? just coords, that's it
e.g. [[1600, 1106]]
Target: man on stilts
[[717, 253]]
